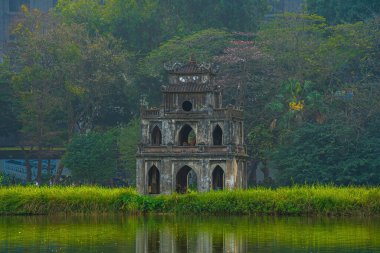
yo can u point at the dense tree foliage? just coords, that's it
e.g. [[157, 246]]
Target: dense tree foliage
[[128, 141], [9, 123], [318, 117], [330, 152], [143, 25], [309, 83], [338, 11], [92, 157], [66, 80], [78, 79]]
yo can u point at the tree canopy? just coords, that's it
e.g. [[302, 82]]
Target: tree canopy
[[320, 108], [348, 11], [308, 82], [92, 157]]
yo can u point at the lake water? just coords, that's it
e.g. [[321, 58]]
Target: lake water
[[174, 234]]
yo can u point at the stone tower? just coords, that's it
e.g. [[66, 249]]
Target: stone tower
[[191, 141]]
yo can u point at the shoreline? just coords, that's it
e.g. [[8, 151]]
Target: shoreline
[[285, 201]]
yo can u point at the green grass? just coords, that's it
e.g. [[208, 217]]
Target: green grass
[[52, 200], [298, 200]]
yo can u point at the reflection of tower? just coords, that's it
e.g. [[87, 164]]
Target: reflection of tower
[[161, 236], [191, 141], [141, 238], [204, 242], [234, 243], [152, 239], [223, 241]]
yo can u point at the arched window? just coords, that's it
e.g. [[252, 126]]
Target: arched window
[[186, 179], [153, 180], [218, 178], [156, 136], [217, 136], [187, 136]]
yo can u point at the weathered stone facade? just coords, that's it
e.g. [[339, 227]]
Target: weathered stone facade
[[191, 141]]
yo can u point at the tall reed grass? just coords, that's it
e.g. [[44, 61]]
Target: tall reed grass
[[296, 200], [52, 200]]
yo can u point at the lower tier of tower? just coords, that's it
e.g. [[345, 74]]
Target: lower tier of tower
[[165, 175]]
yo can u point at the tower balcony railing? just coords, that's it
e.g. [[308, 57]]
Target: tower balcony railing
[[165, 149], [229, 112], [222, 113], [151, 112]]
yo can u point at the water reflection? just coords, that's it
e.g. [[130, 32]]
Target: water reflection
[[257, 234], [173, 234]]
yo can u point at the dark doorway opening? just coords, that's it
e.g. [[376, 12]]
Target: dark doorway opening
[[187, 136], [156, 136], [153, 180], [217, 136], [218, 178], [186, 180]]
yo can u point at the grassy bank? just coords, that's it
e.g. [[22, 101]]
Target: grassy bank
[[52, 200], [303, 200]]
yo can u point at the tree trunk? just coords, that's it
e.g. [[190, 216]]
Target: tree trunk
[[28, 167], [28, 170], [265, 170], [39, 167], [252, 179], [58, 174], [49, 169]]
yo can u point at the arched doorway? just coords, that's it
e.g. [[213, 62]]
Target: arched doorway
[[218, 178], [156, 136], [187, 136], [186, 179], [153, 180], [217, 136]]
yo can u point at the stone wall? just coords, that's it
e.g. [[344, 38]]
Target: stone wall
[[234, 169]]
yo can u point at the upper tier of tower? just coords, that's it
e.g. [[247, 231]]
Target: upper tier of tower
[[191, 87]]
